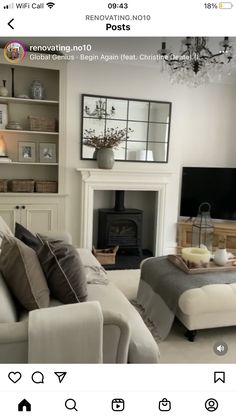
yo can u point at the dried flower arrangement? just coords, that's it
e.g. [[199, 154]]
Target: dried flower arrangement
[[111, 139]]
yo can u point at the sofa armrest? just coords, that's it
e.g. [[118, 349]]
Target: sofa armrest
[[116, 338], [71, 333]]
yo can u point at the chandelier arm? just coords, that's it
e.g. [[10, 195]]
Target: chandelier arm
[[218, 54], [197, 63]]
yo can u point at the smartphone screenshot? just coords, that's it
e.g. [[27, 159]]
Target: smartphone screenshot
[[117, 209]]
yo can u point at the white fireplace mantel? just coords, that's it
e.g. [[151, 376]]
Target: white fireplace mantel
[[123, 179]]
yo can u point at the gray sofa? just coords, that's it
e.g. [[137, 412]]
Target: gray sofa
[[106, 328]]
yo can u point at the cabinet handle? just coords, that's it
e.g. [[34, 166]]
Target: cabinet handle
[[17, 207], [23, 207]]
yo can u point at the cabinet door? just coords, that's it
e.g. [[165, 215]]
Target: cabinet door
[[41, 218], [11, 213]]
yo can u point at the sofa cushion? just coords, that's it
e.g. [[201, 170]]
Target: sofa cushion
[[64, 271], [23, 274], [8, 312], [4, 230], [27, 237], [94, 272]]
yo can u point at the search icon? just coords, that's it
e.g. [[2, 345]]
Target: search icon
[[71, 404]]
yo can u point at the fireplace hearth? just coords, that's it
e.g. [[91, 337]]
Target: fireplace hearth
[[120, 226]]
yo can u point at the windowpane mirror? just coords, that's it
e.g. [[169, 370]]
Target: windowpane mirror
[[147, 124]]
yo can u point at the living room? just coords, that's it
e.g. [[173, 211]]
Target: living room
[[201, 134]]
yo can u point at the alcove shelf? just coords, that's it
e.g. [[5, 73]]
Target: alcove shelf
[[39, 212]]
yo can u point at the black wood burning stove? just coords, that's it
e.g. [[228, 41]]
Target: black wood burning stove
[[120, 226]]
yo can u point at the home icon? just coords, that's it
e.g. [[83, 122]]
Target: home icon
[[24, 405]]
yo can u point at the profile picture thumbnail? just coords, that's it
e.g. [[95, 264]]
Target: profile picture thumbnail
[[14, 52]]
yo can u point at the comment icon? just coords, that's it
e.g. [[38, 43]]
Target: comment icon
[[37, 377]]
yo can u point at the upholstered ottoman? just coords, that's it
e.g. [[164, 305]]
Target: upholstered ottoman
[[200, 301], [208, 307]]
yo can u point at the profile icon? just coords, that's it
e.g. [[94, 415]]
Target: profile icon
[[14, 52], [211, 405]]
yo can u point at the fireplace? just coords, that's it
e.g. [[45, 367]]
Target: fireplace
[[120, 226], [163, 183]]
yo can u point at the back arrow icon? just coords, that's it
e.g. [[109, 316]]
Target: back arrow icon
[[9, 23]]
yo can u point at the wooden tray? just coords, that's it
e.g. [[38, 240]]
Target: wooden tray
[[179, 262]]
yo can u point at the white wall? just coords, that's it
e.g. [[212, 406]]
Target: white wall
[[203, 126]]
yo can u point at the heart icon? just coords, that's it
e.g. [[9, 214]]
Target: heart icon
[[14, 376]]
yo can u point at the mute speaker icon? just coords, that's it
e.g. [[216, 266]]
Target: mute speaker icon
[[220, 348]]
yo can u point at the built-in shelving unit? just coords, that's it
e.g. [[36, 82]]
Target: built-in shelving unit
[[19, 109], [37, 211]]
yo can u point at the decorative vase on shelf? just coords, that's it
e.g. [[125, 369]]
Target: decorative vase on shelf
[[221, 257], [105, 158], [3, 89], [37, 90]]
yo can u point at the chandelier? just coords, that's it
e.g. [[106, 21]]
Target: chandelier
[[196, 64], [100, 110]]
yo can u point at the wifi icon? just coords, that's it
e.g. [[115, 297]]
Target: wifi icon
[[50, 4]]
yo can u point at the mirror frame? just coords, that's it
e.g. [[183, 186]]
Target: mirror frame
[[127, 120]]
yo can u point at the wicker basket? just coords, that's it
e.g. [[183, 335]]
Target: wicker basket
[[21, 185], [106, 256], [42, 124], [3, 185], [46, 186]]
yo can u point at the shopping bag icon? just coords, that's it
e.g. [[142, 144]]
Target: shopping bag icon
[[164, 405]]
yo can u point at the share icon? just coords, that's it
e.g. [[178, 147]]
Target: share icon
[[60, 375]]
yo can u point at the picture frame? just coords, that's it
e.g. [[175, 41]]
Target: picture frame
[[47, 153], [3, 115], [26, 152]]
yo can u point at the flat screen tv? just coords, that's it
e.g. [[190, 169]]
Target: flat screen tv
[[209, 184]]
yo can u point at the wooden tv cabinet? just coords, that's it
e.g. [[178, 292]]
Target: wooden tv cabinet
[[221, 228]]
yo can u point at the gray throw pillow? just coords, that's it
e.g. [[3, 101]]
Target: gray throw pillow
[[27, 237], [64, 271], [23, 274]]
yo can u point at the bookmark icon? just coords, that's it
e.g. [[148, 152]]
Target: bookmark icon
[[219, 376]]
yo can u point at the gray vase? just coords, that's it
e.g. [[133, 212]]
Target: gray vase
[[95, 154], [105, 158]]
